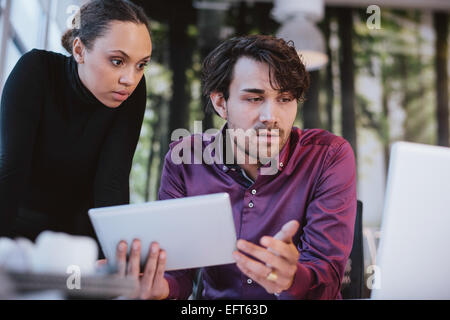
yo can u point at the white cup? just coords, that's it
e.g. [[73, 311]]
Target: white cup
[[60, 253]]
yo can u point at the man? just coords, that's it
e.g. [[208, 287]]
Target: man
[[295, 225]]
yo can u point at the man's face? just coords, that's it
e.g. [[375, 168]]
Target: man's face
[[254, 104]]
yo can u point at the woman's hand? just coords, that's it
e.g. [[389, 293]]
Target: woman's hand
[[151, 282]]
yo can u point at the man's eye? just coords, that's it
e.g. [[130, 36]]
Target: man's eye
[[117, 62], [257, 99], [286, 99]]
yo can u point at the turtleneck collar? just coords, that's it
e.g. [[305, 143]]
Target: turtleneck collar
[[83, 93]]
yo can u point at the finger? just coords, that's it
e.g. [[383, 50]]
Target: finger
[[248, 267], [264, 255], [134, 260], [159, 288], [253, 269], [121, 258], [101, 263], [150, 269], [281, 248], [287, 231], [161, 268]]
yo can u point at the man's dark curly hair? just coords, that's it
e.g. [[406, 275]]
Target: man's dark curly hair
[[286, 71]]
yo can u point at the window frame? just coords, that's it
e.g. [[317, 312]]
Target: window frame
[[4, 36], [8, 32]]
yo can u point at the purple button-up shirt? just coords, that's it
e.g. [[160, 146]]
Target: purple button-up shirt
[[315, 185]]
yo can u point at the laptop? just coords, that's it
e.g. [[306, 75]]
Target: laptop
[[413, 260], [194, 231]]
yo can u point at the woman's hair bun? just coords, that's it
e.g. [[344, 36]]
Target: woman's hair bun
[[67, 40]]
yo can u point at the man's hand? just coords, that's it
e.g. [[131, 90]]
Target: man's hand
[[278, 259], [151, 283]]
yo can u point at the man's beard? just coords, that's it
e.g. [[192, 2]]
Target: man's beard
[[258, 145]]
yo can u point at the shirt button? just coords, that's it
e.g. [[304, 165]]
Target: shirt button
[[253, 191], [281, 164], [249, 281], [251, 205]]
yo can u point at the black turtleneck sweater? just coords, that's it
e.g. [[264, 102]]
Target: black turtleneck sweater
[[61, 150]]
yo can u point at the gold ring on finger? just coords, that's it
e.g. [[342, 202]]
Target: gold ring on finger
[[272, 276]]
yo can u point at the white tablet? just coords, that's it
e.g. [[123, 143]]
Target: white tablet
[[194, 231]]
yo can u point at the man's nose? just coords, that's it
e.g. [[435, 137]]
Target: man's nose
[[268, 113]]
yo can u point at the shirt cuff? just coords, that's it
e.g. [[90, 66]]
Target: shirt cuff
[[300, 286], [174, 288]]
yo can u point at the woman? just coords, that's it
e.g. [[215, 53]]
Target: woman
[[70, 125]]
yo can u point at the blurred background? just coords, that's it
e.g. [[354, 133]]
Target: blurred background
[[379, 73]]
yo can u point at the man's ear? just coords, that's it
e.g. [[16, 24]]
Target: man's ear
[[219, 103], [78, 50]]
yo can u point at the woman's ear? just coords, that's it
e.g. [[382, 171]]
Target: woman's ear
[[219, 103], [78, 50]]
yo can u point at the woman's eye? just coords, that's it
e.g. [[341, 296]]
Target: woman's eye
[[143, 65], [116, 62]]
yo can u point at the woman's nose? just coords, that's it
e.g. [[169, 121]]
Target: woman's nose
[[128, 78]]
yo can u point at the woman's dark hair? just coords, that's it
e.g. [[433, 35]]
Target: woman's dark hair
[[286, 70], [93, 19]]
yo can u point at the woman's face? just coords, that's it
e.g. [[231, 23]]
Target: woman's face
[[114, 66]]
